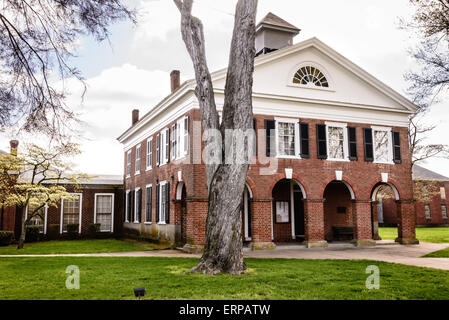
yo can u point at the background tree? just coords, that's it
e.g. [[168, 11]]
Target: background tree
[[35, 179], [430, 81], [225, 182], [37, 39]]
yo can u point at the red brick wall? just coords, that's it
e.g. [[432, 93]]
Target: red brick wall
[[435, 201], [314, 174]]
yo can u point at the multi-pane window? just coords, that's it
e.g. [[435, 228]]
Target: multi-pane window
[[175, 141], [443, 193], [163, 147], [38, 218], [336, 142], [427, 212], [71, 212], [128, 164], [286, 139], [137, 159], [186, 135], [104, 211], [163, 202], [310, 76], [383, 147], [149, 153], [128, 206], [444, 211], [138, 205]]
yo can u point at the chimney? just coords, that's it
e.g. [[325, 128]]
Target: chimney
[[274, 33], [14, 144], [175, 80], [135, 117]]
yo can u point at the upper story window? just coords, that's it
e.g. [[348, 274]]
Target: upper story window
[[162, 147], [128, 164], [150, 154], [310, 76], [337, 141], [180, 138], [287, 137], [443, 193], [383, 147], [137, 159]]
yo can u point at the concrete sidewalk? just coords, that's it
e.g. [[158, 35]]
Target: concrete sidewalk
[[386, 251]]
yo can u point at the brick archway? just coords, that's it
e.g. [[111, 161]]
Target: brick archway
[[347, 182], [296, 178]]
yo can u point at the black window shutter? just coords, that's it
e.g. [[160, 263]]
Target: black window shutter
[[167, 203], [352, 138], [305, 147], [158, 188], [368, 142], [321, 141], [397, 157], [255, 137], [270, 126], [139, 205], [158, 149]]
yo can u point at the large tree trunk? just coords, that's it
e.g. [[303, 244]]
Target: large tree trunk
[[22, 230], [225, 181]]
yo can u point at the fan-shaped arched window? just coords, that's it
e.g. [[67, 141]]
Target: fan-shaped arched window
[[309, 76]]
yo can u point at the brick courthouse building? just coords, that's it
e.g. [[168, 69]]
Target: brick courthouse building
[[329, 135]]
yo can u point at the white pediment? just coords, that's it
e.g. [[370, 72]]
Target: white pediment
[[348, 84]]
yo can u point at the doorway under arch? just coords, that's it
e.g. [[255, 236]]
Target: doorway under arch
[[288, 211]]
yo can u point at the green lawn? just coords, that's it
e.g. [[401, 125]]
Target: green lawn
[[435, 235], [438, 254], [167, 278], [74, 246]]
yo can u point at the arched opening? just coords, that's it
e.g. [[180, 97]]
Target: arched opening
[[384, 209], [338, 212], [288, 211], [246, 214]]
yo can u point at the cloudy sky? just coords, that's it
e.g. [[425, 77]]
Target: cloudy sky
[[132, 71]]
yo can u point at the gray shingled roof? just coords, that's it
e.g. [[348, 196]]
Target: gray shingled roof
[[420, 173], [274, 20]]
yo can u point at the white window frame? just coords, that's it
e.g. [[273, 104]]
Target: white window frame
[[112, 209], [62, 213], [442, 213], [126, 206], [163, 148], [135, 205], [297, 138], [45, 217], [138, 159], [390, 144], [128, 164], [179, 135], [162, 204], [146, 188], [185, 133], [344, 126], [149, 155]]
